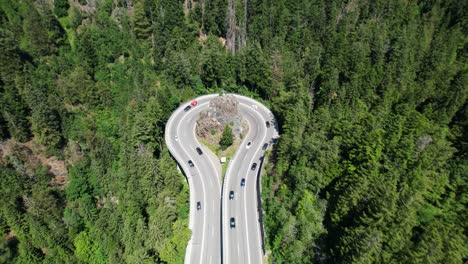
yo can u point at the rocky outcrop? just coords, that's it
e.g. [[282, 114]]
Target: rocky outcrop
[[89, 7], [223, 110]]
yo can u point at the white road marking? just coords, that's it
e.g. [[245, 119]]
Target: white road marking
[[169, 141], [245, 193], [227, 179], [203, 188]]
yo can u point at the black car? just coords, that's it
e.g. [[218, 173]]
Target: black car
[[199, 151], [265, 146], [242, 182], [267, 123], [231, 195], [187, 108], [254, 166], [190, 163], [198, 205], [232, 222]]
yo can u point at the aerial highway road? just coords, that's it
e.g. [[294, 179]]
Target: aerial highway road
[[243, 243], [224, 216]]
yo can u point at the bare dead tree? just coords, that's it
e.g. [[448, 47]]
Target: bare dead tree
[[202, 26], [236, 36], [187, 6], [243, 30], [232, 27]]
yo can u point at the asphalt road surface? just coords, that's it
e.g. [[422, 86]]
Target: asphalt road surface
[[213, 239]]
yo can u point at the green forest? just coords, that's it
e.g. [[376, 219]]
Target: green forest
[[370, 97]]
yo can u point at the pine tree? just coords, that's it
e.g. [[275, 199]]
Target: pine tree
[[227, 138], [141, 25]]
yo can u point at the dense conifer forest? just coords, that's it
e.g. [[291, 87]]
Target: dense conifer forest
[[370, 97]]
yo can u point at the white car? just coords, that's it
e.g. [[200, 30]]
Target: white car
[[254, 107], [176, 138], [248, 145]]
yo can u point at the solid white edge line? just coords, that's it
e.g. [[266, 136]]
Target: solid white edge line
[[171, 149], [247, 172], [227, 178], [275, 134], [203, 187], [168, 143]]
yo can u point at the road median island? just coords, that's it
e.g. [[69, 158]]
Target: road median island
[[222, 115]]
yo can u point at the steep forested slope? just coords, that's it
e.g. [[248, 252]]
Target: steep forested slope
[[370, 96]]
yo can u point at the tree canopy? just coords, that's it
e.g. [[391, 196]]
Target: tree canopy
[[370, 99]]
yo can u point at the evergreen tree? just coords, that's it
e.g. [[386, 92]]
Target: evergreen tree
[[141, 25], [214, 17], [13, 109], [227, 138], [369, 96]]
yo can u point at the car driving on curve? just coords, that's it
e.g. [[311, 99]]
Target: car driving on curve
[[187, 108], [231, 195], [248, 145], [242, 182], [254, 166], [267, 123], [232, 222], [194, 103], [190, 163], [198, 205], [199, 151], [265, 146]]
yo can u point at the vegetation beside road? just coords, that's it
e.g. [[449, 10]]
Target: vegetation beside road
[[219, 150], [370, 98]]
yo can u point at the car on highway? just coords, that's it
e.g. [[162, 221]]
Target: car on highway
[[254, 166], [242, 182], [267, 123], [232, 222], [194, 103], [248, 145], [187, 108], [265, 146], [176, 138], [231, 195], [198, 205], [199, 151], [254, 107], [190, 163]]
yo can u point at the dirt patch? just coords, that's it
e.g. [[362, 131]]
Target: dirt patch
[[27, 157], [10, 235]]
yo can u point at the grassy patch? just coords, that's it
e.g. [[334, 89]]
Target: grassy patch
[[213, 144], [213, 148]]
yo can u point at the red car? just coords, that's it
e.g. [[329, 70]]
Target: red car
[[194, 103]]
